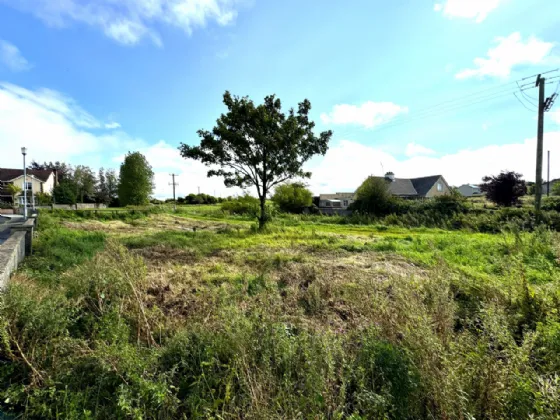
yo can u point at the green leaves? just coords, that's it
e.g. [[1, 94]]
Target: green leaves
[[259, 145], [136, 180]]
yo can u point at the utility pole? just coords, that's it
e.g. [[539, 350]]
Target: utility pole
[[548, 176], [540, 132], [174, 184], [544, 106], [198, 190]]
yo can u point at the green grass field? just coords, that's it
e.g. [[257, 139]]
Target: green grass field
[[195, 314]]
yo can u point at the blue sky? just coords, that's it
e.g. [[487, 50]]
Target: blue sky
[[85, 81]]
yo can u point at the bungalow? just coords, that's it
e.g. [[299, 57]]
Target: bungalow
[[37, 181], [424, 187], [468, 190]]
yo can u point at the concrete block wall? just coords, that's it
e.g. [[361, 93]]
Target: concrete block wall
[[12, 252]]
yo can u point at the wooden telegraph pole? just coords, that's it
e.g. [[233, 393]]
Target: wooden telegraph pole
[[540, 132], [544, 106], [174, 184]]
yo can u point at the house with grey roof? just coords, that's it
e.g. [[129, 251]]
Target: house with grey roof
[[469, 190], [411, 188], [36, 181]]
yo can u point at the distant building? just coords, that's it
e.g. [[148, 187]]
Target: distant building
[[468, 190], [337, 200], [546, 186], [37, 181], [424, 187]]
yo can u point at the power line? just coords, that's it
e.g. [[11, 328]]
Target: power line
[[458, 103], [525, 106], [445, 111], [540, 74]]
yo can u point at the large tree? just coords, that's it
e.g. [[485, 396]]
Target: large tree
[[136, 180], [258, 145], [504, 189], [64, 172], [85, 182], [107, 187]]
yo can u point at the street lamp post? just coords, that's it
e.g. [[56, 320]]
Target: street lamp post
[[24, 152]]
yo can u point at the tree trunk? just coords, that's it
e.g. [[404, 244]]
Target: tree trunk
[[262, 218]]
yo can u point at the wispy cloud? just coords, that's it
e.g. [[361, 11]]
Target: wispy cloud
[[54, 127], [460, 167], [413, 149], [369, 114], [130, 21], [476, 10], [10, 56], [112, 125], [509, 52]]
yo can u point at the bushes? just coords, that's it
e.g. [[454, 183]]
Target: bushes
[[292, 197], [247, 205]]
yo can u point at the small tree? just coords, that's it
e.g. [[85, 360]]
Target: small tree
[[292, 197], [14, 190], [136, 180], [504, 189], [259, 145], [373, 196]]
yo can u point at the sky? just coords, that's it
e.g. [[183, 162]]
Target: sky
[[414, 87]]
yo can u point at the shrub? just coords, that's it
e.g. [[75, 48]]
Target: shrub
[[373, 197], [292, 197], [65, 193], [504, 189]]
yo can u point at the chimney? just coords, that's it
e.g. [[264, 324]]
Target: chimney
[[390, 176]]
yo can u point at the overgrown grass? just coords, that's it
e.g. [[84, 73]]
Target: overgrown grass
[[300, 321]]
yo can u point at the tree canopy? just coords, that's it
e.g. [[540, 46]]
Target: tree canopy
[[136, 180], [65, 193], [373, 196], [504, 189], [259, 145], [292, 197], [107, 187], [85, 182]]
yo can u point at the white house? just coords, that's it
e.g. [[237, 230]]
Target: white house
[[37, 181], [468, 190]]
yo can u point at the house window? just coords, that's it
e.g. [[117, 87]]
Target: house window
[[345, 203], [28, 186], [439, 186]]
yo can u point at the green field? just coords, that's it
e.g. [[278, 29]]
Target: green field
[[195, 314]]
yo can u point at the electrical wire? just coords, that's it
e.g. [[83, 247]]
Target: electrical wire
[[458, 103], [521, 102]]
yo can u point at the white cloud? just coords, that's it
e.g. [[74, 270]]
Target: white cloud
[[485, 126], [413, 149], [463, 166], [467, 9], [129, 21], [555, 116], [369, 114], [53, 127], [11, 57], [112, 125], [190, 175], [510, 51]]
